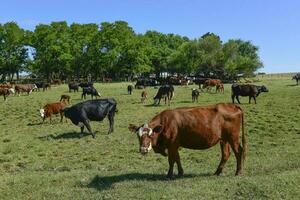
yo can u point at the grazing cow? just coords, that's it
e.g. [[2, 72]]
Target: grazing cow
[[42, 85], [52, 108], [144, 96], [65, 98], [220, 88], [296, 77], [129, 89], [28, 88], [195, 95], [252, 91], [184, 82], [194, 128], [166, 91], [87, 84], [211, 83], [200, 82], [92, 110], [89, 90], [5, 91], [73, 86]]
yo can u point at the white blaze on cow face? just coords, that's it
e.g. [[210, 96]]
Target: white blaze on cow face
[[144, 134], [42, 112], [12, 90]]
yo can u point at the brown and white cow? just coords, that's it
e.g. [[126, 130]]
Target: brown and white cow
[[52, 108], [28, 88], [211, 83], [6, 91], [194, 128]]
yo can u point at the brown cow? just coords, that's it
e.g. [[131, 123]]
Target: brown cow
[[194, 128], [65, 98], [220, 88], [144, 96], [52, 108], [5, 91], [28, 88], [211, 83]]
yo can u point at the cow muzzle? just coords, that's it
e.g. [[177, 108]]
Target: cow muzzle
[[145, 150]]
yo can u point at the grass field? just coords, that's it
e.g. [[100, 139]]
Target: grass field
[[51, 161]]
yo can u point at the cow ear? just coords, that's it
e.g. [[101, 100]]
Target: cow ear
[[158, 129], [133, 128]]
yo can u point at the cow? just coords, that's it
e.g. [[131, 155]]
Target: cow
[[89, 90], [6, 91], [194, 128], [200, 82], [129, 89], [42, 85], [65, 98], [166, 91], [28, 88], [184, 82], [211, 83], [144, 96], [296, 77], [252, 91], [92, 110], [73, 86], [195, 95], [220, 88], [52, 108]]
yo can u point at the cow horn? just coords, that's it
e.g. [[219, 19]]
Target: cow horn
[[146, 125]]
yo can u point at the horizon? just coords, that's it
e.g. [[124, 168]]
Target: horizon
[[272, 26]]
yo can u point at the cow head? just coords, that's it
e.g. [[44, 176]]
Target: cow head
[[263, 89], [146, 135], [11, 90]]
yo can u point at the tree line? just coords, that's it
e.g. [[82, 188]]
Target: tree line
[[115, 50]]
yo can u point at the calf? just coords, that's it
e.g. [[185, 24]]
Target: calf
[[144, 96], [65, 98], [5, 91], [93, 110], [166, 91], [52, 108], [252, 91], [194, 128], [129, 89], [89, 90], [73, 86], [195, 95]]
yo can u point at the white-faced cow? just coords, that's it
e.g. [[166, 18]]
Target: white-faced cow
[[93, 110], [194, 128]]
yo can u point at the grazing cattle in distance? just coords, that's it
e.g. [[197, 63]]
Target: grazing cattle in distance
[[28, 88], [92, 110], [73, 86], [211, 83], [194, 128], [42, 85], [296, 77], [87, 84], [184, 82], [144, 96], [220, 88], [89, 90], [52, 108], [166, 91], [195, 95], [5, 91], [200, 82], [65, 98], [129, 89], [252, 91]]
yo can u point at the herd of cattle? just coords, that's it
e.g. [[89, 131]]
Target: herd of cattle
[[192, 128]]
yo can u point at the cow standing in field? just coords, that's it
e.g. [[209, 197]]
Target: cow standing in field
[[42, 85], [200, 82], [28, 88], [93, 110], [166, 91], [144, 96], [86, 84], [129, 89], [252, 91], [211, 83], [6, 91], [220, 88], [52, 108], [194, 128], [73, 86], [195, 95], [89, 90], [296, 77]]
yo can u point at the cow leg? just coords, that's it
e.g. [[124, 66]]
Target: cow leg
[[225, 148], [111, 122], [249, 99], [238, 151], [173, 156], [87, 125], [232, 97], [237, 98], [61, 116], [254, 99]]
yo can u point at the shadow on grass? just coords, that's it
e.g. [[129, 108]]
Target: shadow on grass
[[35, 124], [106, 182], [69, 135], [291, 85]]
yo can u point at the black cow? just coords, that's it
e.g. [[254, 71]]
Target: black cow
[[129, 89], [92, 110], [89, 90], [296, 77], [73, 86], [87, 84], [42, 85], [252, 91], [166, 91]]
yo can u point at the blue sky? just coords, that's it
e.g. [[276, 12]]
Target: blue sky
[[273, 25]]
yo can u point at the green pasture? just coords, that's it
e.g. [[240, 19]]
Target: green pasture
[[52, 161]]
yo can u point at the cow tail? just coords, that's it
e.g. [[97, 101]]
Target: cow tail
[[244, 141]]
